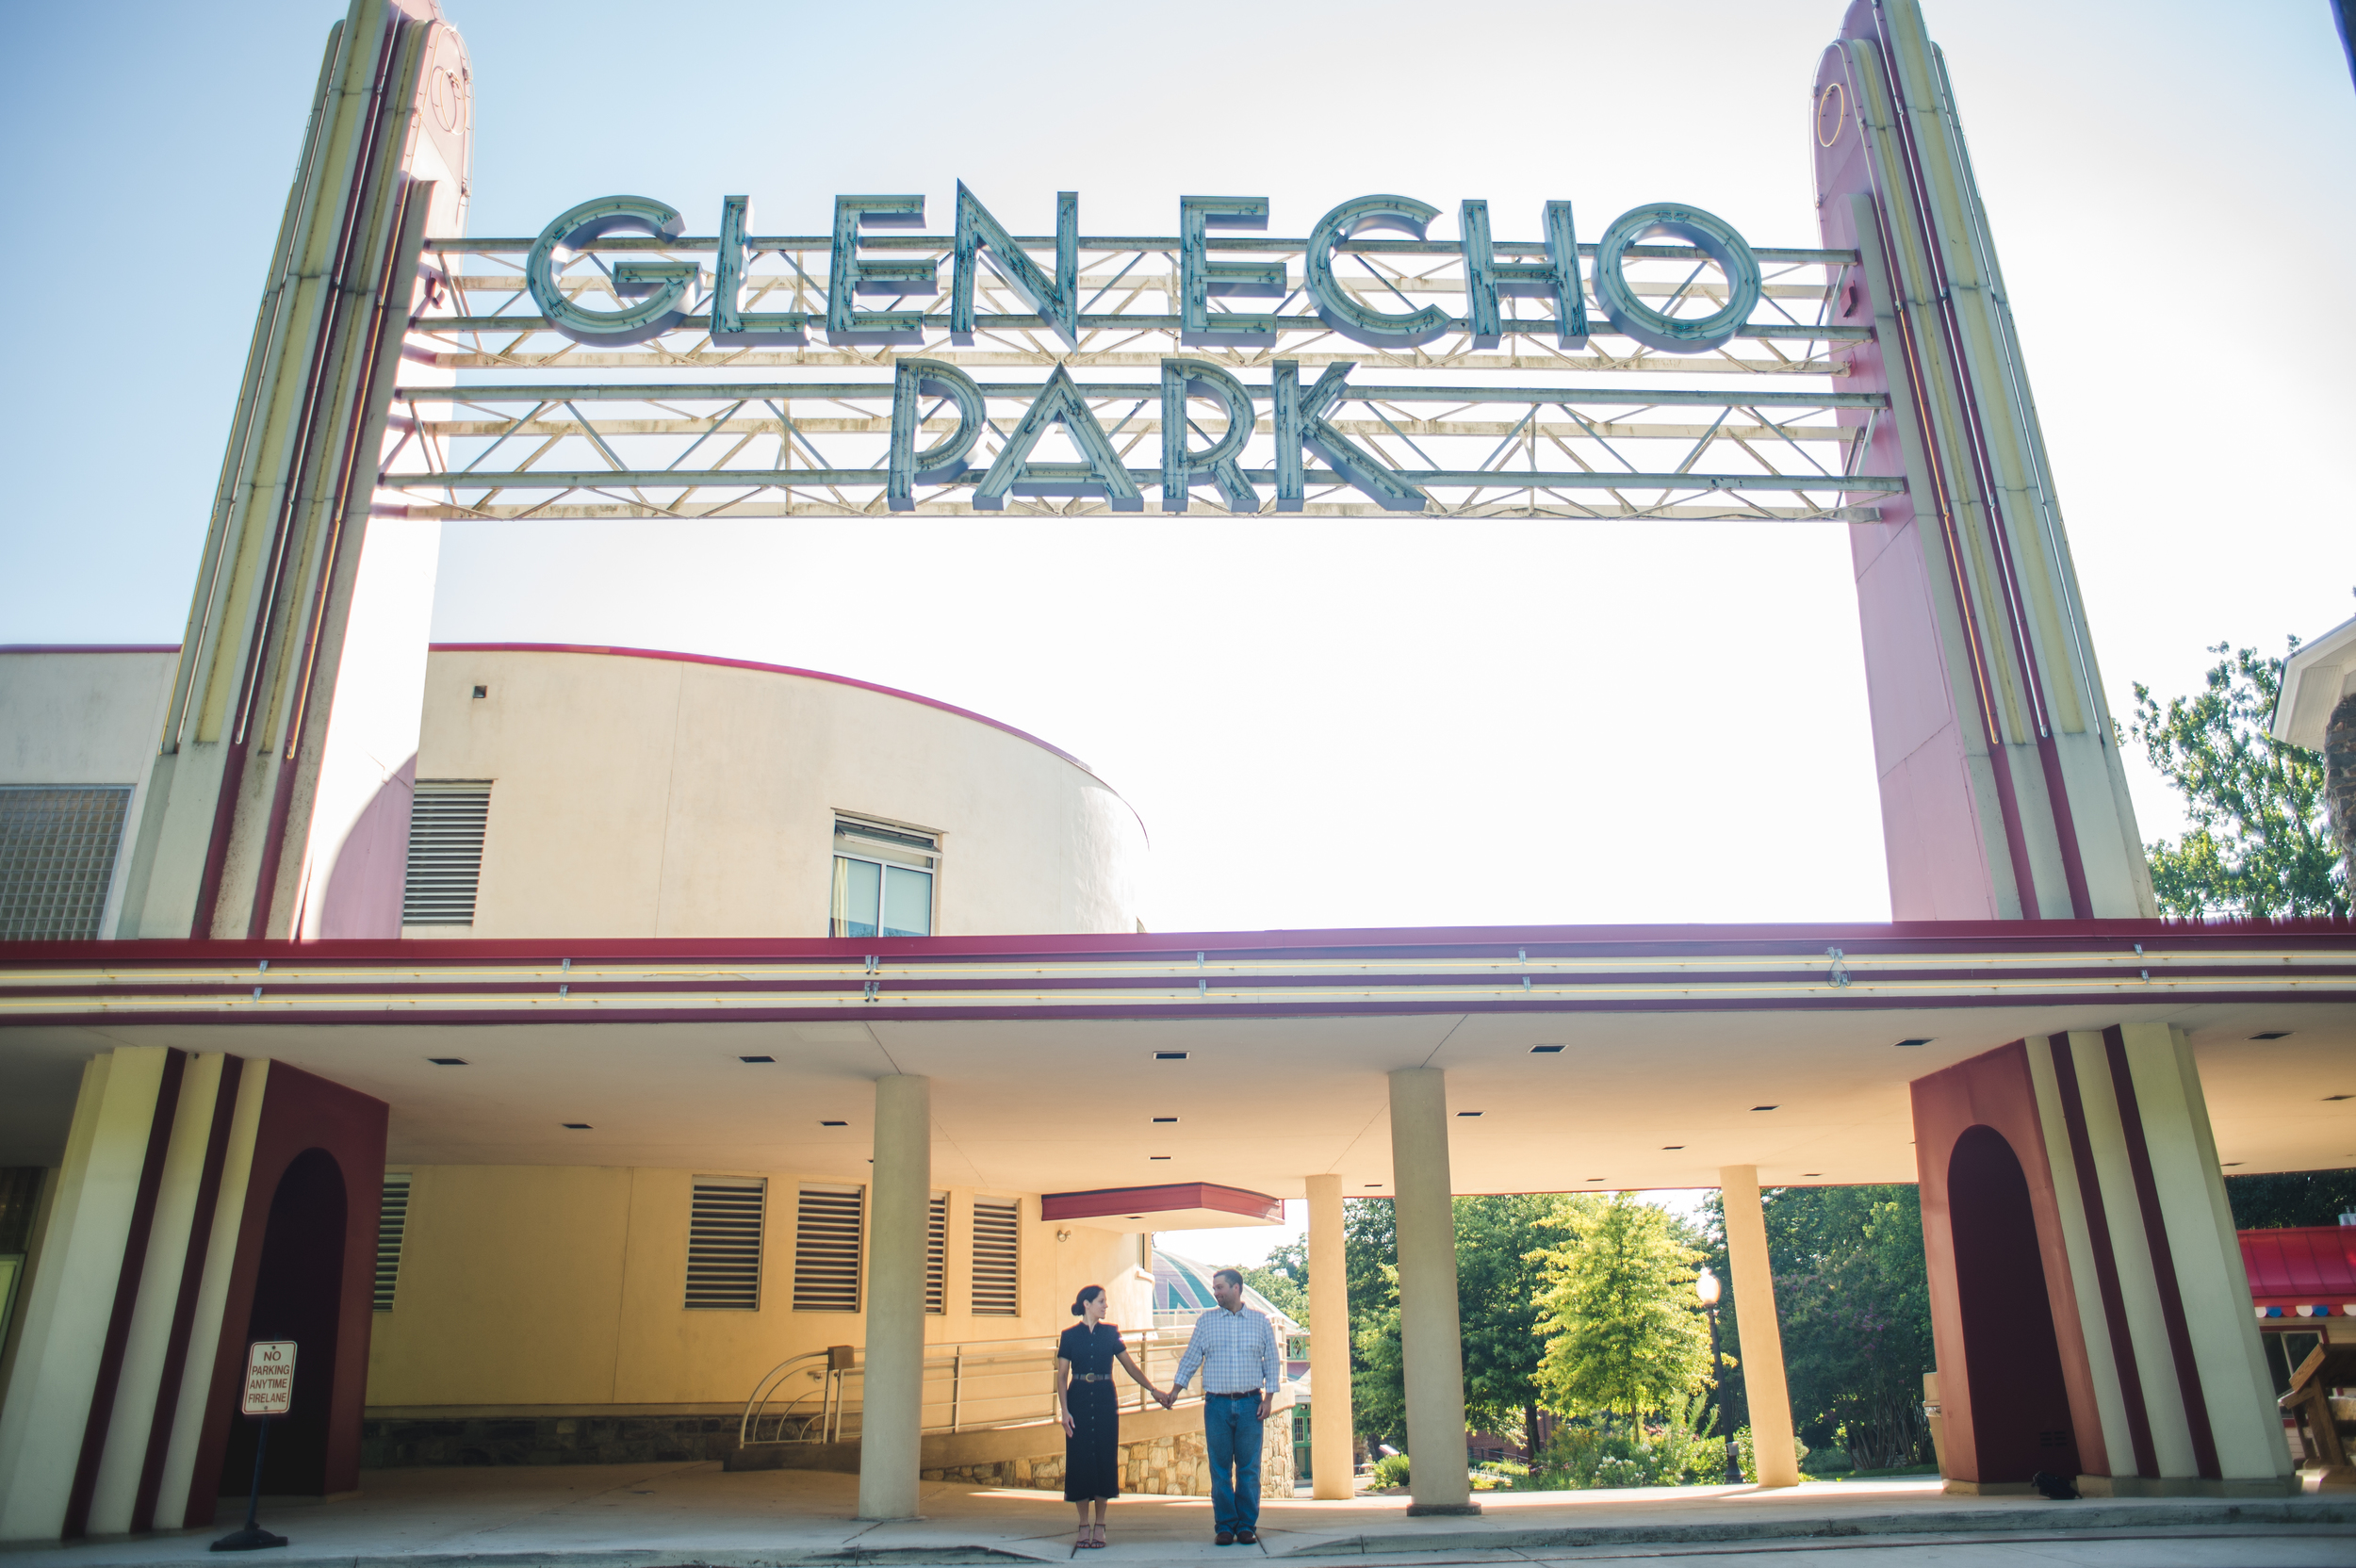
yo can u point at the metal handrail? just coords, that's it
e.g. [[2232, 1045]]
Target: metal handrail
[[971, 1386]]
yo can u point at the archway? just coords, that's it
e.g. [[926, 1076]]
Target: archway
[[296, 1295], [2020, 1406]]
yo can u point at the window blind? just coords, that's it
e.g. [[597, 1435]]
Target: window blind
[[937, 1254]]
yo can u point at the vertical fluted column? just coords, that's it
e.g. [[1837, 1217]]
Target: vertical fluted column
[[1759, 1334], [891, 1403], [1430, 1345], [1332, 1454]]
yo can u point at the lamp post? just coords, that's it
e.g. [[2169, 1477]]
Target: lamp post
[[1706, 1286]]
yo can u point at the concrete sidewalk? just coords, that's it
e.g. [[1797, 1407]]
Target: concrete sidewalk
[[660, 1515]]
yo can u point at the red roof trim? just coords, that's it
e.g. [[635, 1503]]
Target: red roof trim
[[2301, 1265], [1107, 1202], [766, 669], [2315, 933], [89, 647]]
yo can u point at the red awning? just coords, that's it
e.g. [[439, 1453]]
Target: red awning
[[2301, 1272], [1180, 1206]]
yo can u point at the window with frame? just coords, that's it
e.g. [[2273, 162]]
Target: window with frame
[[57, 851], [883, 879]]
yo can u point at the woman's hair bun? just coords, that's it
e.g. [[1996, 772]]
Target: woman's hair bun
[[1087, 1294]]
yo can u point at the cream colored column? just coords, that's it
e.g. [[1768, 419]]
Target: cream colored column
[[1759, 1336], [891, 1400], [1332, 1455], [72, 1293], [1430, 1345]]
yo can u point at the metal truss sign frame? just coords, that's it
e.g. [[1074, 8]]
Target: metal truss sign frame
[[663, 375]]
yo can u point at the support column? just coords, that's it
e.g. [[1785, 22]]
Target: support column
[[1430, 1337], [1332, 1455], [892, 1403], [1759, 1336]]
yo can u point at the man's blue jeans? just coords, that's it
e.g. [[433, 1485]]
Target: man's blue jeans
[[1232, 1431]]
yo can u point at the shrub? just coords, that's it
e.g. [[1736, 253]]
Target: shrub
[[1750, 1460], [1391, 1470]]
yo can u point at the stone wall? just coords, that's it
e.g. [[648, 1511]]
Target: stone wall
[[1175, 1466], [395, 1443]]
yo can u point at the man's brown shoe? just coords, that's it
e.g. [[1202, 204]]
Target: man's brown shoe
[[1247, 1537], [1224, 1537]]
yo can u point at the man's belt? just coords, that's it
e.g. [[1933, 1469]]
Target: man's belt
[[1252, 1394]]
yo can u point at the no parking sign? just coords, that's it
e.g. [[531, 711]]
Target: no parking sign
[[270, 1365]]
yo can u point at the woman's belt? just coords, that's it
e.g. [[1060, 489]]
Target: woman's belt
[[1091, 1377]]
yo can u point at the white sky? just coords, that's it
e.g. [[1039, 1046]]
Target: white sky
[[1347, 722]]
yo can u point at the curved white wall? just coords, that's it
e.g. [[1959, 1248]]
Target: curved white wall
[[641, 794]]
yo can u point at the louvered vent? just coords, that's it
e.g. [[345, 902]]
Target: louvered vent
[[937, 1254], [997, 1258], [826, 1251], [392, 1224], [724, 1242], [446, 817]]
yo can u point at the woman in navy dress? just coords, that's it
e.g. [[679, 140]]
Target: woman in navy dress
[[1091, 1413]]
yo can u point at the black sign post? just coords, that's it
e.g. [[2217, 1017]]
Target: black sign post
[[268, 1392]]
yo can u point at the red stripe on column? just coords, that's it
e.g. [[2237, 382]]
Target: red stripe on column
[[191, 1285], [2105, 1261], [102, 1403], [2162, 1258]]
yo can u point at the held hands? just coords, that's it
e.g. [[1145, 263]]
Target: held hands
[[1168, 1396]]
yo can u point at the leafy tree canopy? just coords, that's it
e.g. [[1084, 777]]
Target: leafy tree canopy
[[2296, 1198], [2259, 843], [1624, 1331]]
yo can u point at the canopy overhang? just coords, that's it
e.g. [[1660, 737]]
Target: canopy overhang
[[1586, 1058]]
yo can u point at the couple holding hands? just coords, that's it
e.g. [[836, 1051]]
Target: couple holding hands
[[1232, 1344]]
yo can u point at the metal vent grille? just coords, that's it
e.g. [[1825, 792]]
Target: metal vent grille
[[446, 818], [57, 848], [937, 1254], [392, 1224], [826, 1251], [997, 1258], [724, 1242]]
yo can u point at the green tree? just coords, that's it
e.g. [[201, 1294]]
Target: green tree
[[2259, 843], [1623, 1332], [2298, 1197], [1853, 1306], [1497, 1306]]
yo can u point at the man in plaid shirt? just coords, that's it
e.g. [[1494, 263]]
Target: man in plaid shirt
[[1235, 1348]]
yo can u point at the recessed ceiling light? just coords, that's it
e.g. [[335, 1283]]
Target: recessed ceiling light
[[2329, 1098], [1157, 1156], [448, 1061], [1546, 1049], [1468, 1113], [1925, 1040], [2230, 1163], [1374, 1184], [1811, 1174], [1165, 1119], [1762, 1108], [2271, 1035], [1666, 1147], [834, 1124], [1169, 1055], [756, 1058], [1595, 1178], [577, 1126], [1137, 1216]]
